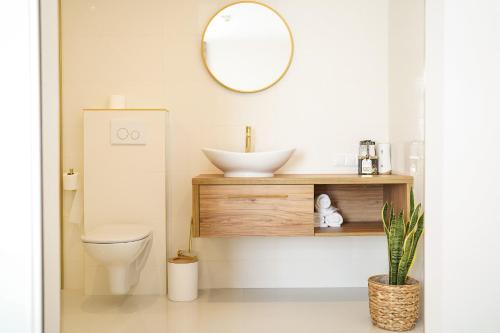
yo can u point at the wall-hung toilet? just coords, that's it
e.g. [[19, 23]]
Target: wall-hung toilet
[[123, 249]]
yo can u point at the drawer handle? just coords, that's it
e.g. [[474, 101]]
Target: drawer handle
[[258, 196]]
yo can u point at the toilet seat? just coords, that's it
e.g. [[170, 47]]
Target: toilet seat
[[116, 233]]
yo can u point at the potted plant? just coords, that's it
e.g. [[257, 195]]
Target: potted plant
[[395, 298]]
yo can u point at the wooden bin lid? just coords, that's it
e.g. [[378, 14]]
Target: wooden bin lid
[[183, 260]]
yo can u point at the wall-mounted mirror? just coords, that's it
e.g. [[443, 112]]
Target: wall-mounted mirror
[[247, 47]]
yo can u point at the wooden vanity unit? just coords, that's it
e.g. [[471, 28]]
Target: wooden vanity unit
[[284, 205]]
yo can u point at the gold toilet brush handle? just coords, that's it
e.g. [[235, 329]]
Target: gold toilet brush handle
[[181, 253]]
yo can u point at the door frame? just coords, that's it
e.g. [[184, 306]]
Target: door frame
[[50, 55]]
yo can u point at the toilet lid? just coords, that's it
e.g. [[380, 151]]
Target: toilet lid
[[116, 233]]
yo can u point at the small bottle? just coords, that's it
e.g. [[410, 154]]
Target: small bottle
[[364, 158], [367, 158], [373, 157], [384, 158]]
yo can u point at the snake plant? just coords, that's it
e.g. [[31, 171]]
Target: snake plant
[[402, 238]]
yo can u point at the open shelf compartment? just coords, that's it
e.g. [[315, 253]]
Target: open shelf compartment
[[361, 205]]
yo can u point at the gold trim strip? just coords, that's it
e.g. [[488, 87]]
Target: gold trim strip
[[131, 109], [292, 45], [61, 170], [257, 196]]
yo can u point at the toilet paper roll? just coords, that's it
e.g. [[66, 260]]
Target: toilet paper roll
[[70, 181], [183, 279], [117, 102]]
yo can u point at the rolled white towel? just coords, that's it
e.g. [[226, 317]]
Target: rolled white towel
[[334, 220], [322, 202], [327, 211], [319, 221]]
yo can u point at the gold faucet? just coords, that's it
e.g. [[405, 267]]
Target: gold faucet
[[248, 139]]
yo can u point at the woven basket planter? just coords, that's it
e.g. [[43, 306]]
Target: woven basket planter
[[394, 308]]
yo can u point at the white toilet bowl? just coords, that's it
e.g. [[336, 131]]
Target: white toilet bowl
[[123, 249]]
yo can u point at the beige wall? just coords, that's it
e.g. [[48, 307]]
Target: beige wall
[[106, 49], [335, 93]]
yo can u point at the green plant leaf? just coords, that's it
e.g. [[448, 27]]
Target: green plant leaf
[[412, 202], [403, 235], [396, 236], [418, 233], [392, 224], [414, 217], [393, 215], [385, 220], [389, 246], [406, 223], [404, 263]]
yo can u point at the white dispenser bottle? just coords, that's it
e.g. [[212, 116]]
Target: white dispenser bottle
[[384, 158]]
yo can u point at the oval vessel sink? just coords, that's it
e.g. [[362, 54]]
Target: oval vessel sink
[[258, 164]]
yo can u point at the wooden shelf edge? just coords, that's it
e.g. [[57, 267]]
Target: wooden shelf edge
[[352, 229], [304, 179]]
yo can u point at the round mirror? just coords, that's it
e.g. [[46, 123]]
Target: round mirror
[[247, 47]]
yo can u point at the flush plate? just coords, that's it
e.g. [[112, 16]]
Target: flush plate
[[128, 132]]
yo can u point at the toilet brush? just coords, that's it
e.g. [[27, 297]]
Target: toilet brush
[[187, 254], [183, 274]]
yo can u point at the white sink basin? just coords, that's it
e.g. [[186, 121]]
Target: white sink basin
[[259, 164]]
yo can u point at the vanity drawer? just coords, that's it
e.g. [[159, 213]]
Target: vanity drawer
[[256, 210]]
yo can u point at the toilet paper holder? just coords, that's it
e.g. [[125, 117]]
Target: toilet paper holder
[[70, 180]]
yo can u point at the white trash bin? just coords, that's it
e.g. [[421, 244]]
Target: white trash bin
[[183, 278]]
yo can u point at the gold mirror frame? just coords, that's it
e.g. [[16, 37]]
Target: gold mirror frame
[[292, 46]]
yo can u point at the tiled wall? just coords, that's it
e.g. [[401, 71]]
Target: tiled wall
[[335, 93], [107, 49]]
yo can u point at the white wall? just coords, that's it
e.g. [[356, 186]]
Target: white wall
[[51, 163], [335, 93], [20, 170], [406, 79], [463, 126], [406, 97], [434, 282]]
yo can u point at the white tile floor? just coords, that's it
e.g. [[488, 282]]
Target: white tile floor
[[340, 310]]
